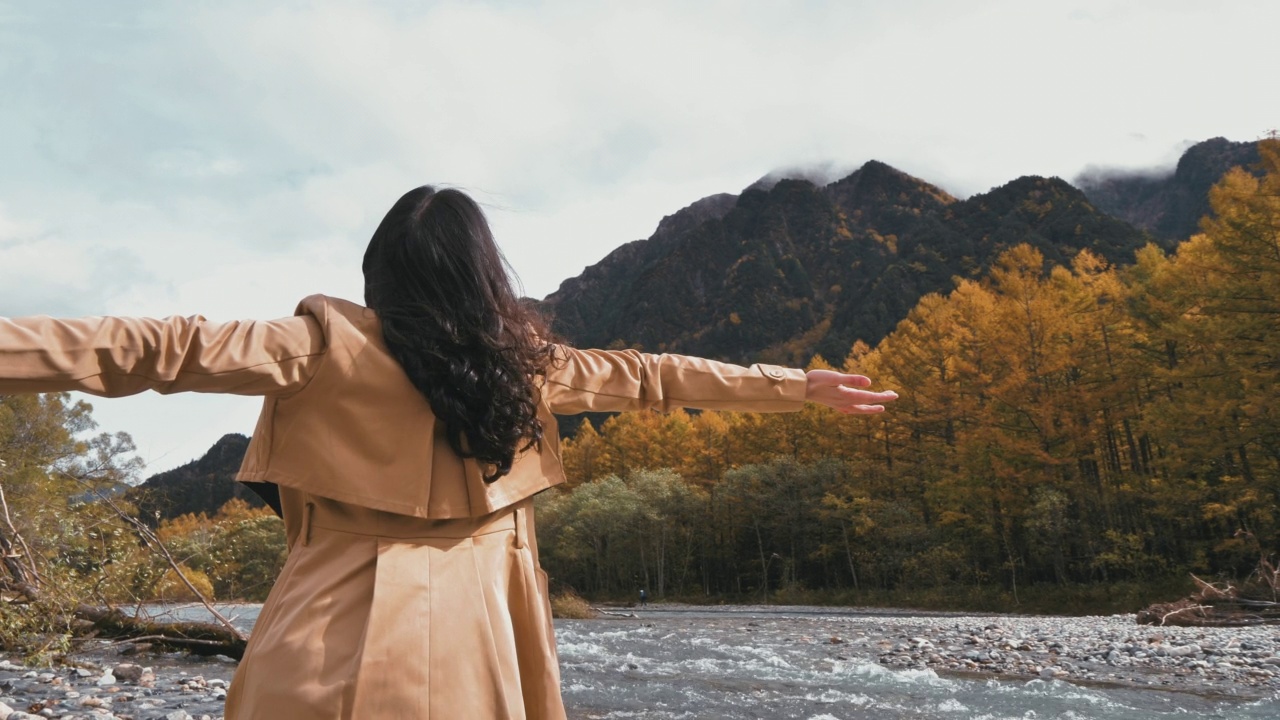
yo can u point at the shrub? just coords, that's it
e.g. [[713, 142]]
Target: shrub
[[568, 605], [171, 586]]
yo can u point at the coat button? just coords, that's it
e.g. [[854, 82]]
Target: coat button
[[775, 373]]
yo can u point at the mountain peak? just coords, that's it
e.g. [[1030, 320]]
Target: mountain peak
[[877, 187], [1038, 186], [202, 485], [1168, 204], [817, 175]]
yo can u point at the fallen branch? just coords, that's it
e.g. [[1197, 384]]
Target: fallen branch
[[1214, 606], [20, 582], [153, 542], [196, 637], [614, 614], [26, 551]]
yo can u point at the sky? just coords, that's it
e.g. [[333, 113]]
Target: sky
[[229, 158]]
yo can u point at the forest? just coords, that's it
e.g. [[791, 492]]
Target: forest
[[1073, 437], [1068, 438]]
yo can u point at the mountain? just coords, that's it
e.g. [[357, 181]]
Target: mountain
[[787, 269], [593, 289], [794, 266], [1168, 205], [202, 485]]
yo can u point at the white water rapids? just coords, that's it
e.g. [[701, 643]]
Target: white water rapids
[[764, 663], [733, 663]]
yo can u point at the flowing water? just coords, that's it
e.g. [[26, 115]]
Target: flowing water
[[724, 662]]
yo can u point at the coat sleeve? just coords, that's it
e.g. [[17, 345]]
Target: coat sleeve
[[114, 357], [611, 381]]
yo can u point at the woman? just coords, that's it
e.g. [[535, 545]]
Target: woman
[[407, 439]]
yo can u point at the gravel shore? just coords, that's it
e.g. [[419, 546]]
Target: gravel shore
[[1239, 662], [102, 686], [1236, 662], [1114, 649]]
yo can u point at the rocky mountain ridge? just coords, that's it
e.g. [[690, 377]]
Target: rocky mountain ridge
[[1168, 205], [788, 268], [202, 485]]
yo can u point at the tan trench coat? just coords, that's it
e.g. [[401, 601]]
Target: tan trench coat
[[412, 588]]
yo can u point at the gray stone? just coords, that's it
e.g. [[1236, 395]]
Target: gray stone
[[128, 672]]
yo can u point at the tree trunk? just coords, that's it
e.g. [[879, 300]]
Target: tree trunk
[[848, 553], [764, 566]]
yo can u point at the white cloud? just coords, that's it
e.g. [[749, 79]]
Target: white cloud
[[229, 158]]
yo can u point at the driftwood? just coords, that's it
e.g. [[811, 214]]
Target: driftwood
[[20, 582], [199, 638], [1222, 606], [196, 637]]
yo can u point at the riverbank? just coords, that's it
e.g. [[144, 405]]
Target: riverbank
[[620, 664], [1111, 649], [100, 684], [1114, 598]]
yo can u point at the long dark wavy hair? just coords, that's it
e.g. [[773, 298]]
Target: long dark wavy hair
[[452, 319]]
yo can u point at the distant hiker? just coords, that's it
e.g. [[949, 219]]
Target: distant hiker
[[644, 598]]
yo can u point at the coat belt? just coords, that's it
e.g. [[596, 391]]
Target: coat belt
[[324, 514]]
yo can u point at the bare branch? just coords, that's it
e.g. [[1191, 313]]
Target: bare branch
[[155, 544]]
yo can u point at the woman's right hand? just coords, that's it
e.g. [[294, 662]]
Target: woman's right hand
[[843, 392]]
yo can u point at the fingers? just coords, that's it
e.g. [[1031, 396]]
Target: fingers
[[863, 402], [861, 409], [867, 397], [831, 377]]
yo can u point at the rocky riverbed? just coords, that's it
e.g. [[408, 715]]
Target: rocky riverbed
[[103, 687], [1241, 662], [778, 662], [809, 663]]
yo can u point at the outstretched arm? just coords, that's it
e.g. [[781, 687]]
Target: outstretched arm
[[114, 357], [605, 380]]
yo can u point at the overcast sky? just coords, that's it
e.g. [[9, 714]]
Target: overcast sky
[[228, 158]]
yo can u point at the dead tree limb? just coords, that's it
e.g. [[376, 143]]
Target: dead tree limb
[[26, 551], [196, 637], [1215, 606], [153, 542], [23, 579]]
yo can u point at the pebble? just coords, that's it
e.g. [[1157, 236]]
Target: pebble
[[1241, 662], [99, 689]]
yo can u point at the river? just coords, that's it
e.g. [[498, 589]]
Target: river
[[669, 663]]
